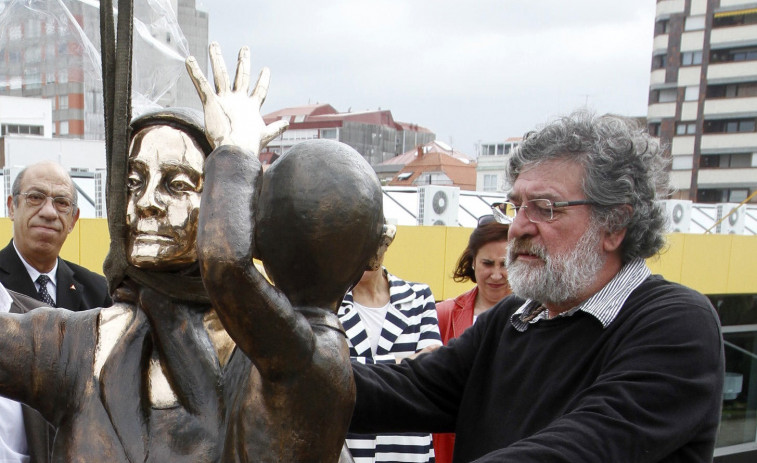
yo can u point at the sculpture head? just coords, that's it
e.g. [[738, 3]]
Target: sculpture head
[[319, 221], [166, 157]]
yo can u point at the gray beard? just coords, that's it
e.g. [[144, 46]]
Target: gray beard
[[562, 278]]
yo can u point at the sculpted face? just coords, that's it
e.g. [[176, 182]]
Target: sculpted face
[[165, 183]]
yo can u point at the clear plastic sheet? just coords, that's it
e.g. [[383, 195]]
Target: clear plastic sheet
[[48, 42]]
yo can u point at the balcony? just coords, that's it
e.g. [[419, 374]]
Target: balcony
[[731, 107], [661, 110], [668, 7], [689, 75], [692, 41], [657, 77], [724, 142], [682, 144], [661, 43], [727, 178], [732, 72], [736, 35]]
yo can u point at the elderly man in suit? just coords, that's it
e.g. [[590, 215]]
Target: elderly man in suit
[[44, 211]]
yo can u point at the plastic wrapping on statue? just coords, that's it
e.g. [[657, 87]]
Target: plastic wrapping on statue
[[37, 33]]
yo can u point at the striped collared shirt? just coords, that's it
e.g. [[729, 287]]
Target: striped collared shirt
[[603, 305]]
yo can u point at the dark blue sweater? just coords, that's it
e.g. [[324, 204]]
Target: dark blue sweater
[[648, 388]]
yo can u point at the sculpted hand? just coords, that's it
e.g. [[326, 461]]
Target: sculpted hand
[[232, 115]]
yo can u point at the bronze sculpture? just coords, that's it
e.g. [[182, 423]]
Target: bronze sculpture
[[154, 378], [314, 218]]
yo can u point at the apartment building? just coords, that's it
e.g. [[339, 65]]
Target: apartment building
[[490, 170], [55, 54], [703, 96], [372, 133]]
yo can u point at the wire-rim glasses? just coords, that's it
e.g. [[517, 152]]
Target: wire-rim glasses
[[535, 210], [62, 204]]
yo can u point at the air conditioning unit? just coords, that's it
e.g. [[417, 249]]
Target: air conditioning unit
[[9, 176], [101, 178], [437, 205], [678, 213], [733, 224]]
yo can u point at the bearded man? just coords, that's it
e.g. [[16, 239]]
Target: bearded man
[[594, 359]]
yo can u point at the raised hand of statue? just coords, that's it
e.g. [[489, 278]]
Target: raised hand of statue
[[232, 114]]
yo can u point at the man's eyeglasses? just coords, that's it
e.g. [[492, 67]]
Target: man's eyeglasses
[[536, 210], [61, 203]]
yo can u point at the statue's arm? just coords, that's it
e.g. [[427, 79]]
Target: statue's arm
[[37, 348], [256, 315]]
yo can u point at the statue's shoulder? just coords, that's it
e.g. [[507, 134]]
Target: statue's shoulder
[[111, 324]]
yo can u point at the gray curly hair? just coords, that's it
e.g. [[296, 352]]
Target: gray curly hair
[[623, 165]]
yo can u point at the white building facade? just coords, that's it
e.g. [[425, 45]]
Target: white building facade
[[703, 96]]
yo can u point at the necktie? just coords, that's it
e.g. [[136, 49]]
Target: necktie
[[45, 297]]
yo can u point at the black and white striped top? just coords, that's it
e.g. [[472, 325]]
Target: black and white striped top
[[410, 325]]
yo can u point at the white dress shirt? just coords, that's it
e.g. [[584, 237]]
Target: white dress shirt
[[34, 274]]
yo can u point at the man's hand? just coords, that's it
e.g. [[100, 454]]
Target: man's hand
[[232, 115]]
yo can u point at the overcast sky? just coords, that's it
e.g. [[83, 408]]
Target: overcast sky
[[478, 71]]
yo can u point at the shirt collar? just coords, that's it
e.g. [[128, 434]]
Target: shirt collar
[[604, 305], [34, 273]]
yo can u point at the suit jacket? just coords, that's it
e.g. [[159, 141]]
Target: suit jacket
[[77, 289], [39, 433]]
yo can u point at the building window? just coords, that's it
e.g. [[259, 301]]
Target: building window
[[733, 54], [686, 128], [659, 61], [709, 161], [729, 126], [711, 195], [63, 102], [692, 93], [726, 161], [21, 129], [654, 129], [665, 95], [662, 27], [63, 128], [328, 133], [736, 195], [490, 182], [691, 58], [734, 18], [740, 90]]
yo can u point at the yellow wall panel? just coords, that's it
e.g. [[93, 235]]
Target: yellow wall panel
[[705, 263], [417, 254], [742, 275], [70, 249], [457, 240], [95, 242], [6, 231], [711, 264], [668, 262]]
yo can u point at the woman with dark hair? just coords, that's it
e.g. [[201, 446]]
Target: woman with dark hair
[[482, 262]]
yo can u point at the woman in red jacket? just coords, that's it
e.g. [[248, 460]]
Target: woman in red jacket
[[482, 262]]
